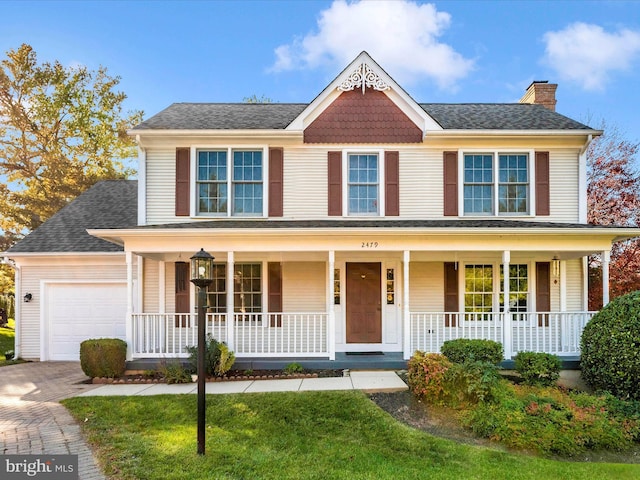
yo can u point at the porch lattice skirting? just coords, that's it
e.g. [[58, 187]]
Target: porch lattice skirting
[[164, 335]]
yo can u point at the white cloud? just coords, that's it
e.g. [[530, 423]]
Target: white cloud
[[401, 35], [587, 55]]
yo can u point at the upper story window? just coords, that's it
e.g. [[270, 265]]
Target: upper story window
[[230, 182], [363, 186], [496, 183]]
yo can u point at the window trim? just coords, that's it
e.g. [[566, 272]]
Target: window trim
[[193, 180], [381, 181], [531, 199]]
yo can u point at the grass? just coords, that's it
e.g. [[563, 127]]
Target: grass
[[301, 435], [7, 337]]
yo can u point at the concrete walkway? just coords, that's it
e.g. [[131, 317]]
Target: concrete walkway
[[32, 422], [368, 381]]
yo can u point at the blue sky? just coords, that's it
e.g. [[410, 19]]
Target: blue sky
[[444, 51]]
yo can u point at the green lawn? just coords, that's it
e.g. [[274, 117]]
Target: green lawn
[[310, 435], [7, 336]]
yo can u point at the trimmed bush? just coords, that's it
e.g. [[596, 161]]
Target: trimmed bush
[[174, 372], [218, 358], [464, 350], [610, 348], [426, 376], [103, 357], [538, 368]]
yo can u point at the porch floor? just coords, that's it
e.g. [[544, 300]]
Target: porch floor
[[381, 361]]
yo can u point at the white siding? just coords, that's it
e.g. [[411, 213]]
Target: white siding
[[421, 184], [170, 287], [161, 186], [426, 287], [31, 278], [574, 285], [563, 186], [304, 287], [150, 288], [305, 183]]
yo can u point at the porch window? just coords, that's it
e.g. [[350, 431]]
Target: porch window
[[219, 172], [363, 185], [486, 192], [478, 291], [391, 286], [247, 284], [518, 288], [217, 291]]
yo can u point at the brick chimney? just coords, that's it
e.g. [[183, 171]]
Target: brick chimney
[[541, 92]]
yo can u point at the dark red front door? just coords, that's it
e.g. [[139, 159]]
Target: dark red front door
[[364, 317]]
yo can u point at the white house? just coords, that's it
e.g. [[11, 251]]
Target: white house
[[360, 222]]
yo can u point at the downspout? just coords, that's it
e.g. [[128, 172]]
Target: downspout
[[17, 304]]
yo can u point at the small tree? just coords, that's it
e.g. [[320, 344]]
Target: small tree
[[613, 198]]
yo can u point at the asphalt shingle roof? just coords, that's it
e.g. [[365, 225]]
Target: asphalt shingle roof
[[107, 204], [276, 116]]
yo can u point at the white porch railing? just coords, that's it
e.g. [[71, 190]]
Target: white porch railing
[[558, 333], [167, 335]]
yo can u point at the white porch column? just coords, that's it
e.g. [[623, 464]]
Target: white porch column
[[331, 327], [507, 334], [606, 258], [406, 313], [129, 319], [230, 323]]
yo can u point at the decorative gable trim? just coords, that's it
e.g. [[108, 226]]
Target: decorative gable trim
[[362, 77]]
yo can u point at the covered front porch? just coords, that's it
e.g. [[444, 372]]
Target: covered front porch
[[289, 291]]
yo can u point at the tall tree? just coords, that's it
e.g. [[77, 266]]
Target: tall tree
[[61, 130], [613, 197]]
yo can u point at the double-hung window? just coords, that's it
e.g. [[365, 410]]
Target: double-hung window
[[496, 184], [230, 182], [478, 291], [363, 185], [247, 287], [518, 287]]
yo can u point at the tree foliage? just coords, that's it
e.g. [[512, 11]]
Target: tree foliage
[[613, 197], [255, 99], [61, 130]]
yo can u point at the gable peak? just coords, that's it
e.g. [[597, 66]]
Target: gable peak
[[363, 76]]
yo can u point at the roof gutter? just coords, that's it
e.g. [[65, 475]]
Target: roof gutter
[[528, 133]]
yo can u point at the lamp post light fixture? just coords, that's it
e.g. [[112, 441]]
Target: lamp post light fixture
[[201, 277]]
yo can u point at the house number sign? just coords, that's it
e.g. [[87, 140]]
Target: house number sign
[[369, 245]]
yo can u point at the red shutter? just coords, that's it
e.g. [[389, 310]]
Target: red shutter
[[543, 292], [450, 293], [182, 293], [182, 181], [392, 183], [335, 183], [276, 160], [450, 184], [275, 292], [542, 183]]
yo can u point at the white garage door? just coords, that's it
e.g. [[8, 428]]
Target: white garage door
[[77, 312]]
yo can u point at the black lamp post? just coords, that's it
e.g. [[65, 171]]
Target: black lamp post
[[201, 277]]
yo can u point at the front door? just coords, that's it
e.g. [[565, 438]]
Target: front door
[[364, 312]]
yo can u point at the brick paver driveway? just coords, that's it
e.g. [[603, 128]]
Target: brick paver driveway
[[31, 419]]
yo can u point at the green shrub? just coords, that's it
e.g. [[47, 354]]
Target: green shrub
[[174, 372], [103, 357], [426, 376], [463, 349], [9, 354], [293, 368], [218, 359], [472, 382], [549, 420], [610, 348], [538, 368]]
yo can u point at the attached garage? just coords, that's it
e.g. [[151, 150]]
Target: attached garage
[[73, 312]]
